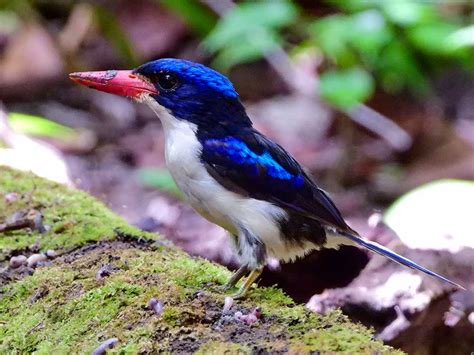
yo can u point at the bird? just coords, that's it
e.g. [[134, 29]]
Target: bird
[[232, 174]]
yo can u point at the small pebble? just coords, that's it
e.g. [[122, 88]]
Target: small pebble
[[105, 271], [197, 294], [17, 216], [43, 263], [238, 315], [17, 261], [11, 197], [156, 306], [228, 301], [257, 312], [34, 259], [50, 253], [248, 319], [39, 294], [37, 219], [35, 246], [102, 348]]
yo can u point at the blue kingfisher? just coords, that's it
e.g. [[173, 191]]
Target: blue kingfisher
[[232, 174]]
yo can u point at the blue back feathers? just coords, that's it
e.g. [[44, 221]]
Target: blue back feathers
[[239, 153]]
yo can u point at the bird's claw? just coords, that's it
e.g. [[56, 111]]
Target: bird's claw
[[244, 289], [227, 287], [240, 294]]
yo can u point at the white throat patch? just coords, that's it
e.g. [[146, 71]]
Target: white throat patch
[[167, 119]]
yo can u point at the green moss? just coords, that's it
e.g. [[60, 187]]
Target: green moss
[[64, 308], [274, 297], [172, 315], [218, 348], [195, 272], [75, 312], [337, 335], [74, 217]]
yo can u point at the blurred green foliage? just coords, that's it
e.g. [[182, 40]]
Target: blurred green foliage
[[197, 16], [365, 44], [38, 126], [159, 179], [8, 21], [345, 88], [401, 43], [249, 31], [112, 30], [398, 45]]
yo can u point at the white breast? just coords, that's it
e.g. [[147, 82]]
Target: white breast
[[212, 200]]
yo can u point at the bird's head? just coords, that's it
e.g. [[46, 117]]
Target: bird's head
[[186, 90]]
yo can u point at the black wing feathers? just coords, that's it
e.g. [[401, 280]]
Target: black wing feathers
[[252, 165]]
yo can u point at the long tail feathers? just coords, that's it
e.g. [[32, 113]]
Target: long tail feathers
[[379, 249]]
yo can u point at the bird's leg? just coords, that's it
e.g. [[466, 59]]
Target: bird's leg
[[254, 274], [236, 277]]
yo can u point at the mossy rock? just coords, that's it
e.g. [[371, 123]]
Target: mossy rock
[[74, 218], [68, 307]]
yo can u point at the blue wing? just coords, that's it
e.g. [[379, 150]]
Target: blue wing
[[252, 165]]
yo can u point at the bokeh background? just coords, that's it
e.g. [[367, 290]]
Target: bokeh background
[[374, 97]]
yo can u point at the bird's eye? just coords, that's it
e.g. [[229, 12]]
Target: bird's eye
[[167, 81]]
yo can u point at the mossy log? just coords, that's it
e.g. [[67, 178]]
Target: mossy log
[[106, 271]]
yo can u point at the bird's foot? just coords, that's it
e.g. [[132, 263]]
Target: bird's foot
[[240, 294], [244, 289], [235, 278]]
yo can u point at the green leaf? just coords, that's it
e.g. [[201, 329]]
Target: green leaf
[[332, 35], [355, 5], [396, 58], [409, 12], [463, 37], [433, 38], [246, 50], [247, 18], [346, 88], [198, 17], [38, 126], [346, 39], [400, 12], [159, 179], [368, 33]]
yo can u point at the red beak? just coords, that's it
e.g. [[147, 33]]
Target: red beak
[[118, 82]]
